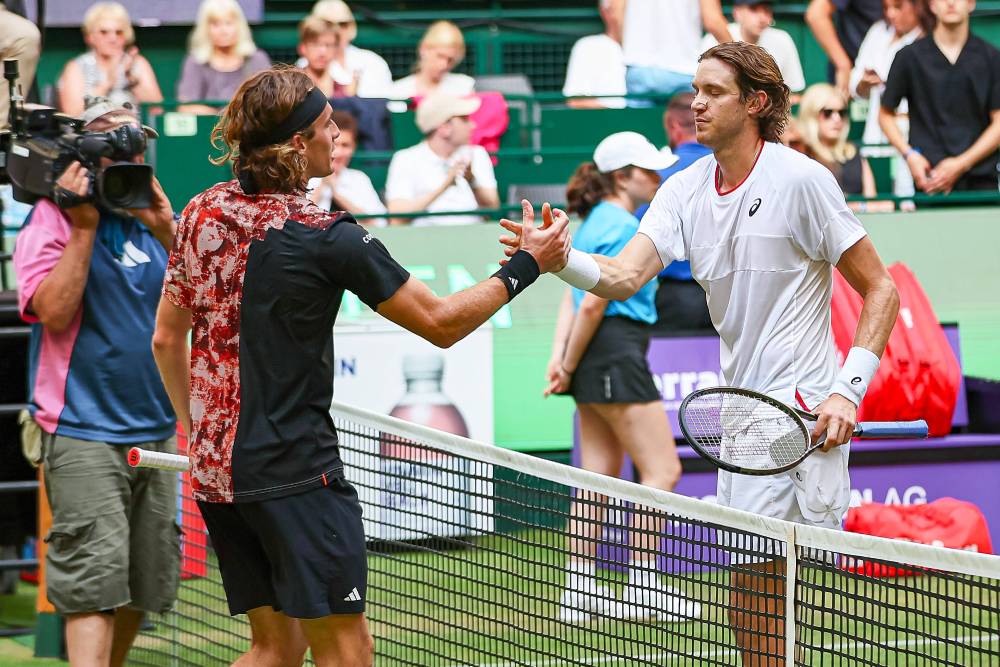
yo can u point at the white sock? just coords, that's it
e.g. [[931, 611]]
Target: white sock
[[580, 575], [643, 573]]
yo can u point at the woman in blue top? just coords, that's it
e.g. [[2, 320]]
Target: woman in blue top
[[599, 357]]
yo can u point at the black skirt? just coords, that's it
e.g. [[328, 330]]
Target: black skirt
[[614, 367]]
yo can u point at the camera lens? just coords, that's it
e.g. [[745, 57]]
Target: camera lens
[[125, 185]]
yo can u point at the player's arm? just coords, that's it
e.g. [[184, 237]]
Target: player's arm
[[864, 271], [446, 320], [173, 358], [443, 321]]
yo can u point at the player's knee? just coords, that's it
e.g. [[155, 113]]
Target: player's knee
[[276, 656], [665, 478], [278, 652], [359, 652]]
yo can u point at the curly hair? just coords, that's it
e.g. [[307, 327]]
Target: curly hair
[[262, 102], [756, 72]]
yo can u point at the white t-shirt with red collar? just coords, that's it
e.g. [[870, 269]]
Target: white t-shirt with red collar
[[764, 253]]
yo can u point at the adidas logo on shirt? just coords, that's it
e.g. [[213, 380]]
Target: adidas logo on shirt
[[132, 256], [353, 596]]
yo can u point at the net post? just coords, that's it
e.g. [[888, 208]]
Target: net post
[[791, 575]]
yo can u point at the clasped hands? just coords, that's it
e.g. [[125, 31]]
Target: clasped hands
[[549, 243]]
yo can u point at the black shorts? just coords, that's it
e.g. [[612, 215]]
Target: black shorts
[[614, 367], [303, 555]]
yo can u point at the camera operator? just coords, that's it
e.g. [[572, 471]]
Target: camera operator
[[89, 280]]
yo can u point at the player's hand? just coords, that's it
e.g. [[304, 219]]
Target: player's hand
[[836, 416], [944, 175], [920, 169], [548, 244], [75, 182]]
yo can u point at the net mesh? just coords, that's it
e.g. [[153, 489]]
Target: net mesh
[[481, 556]]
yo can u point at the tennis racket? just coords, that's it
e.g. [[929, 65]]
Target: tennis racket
[[746, 432], [143, 458]]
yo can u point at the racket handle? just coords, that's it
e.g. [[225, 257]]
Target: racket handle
[[914, 429], [143, 458]]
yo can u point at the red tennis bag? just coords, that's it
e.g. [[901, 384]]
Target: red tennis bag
[[946, 522], [939, 373], [892, 393], [919, 375]]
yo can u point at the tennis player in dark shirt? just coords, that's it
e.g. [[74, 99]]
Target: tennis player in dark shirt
[[951, 79], [258, 272]]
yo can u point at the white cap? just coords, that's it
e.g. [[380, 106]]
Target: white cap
[[623, 149], [438, 108]]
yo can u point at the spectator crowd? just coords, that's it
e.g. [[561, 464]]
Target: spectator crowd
[[647, 52]]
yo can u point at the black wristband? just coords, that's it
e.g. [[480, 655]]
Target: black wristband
[[520, 271]]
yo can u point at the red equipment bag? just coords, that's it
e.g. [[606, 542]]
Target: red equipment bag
[[939, 372], [919, 376], [946, 522], [891, 393]]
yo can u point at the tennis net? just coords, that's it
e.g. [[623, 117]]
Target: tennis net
[[470, 552]]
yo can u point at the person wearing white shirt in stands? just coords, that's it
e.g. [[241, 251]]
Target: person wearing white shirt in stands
[[661, 42], [753, 24], [443, 172], [597, 66], [905, 21], [361, 72], [347, 189]]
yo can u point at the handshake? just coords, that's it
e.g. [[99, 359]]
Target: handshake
[[548, 244]]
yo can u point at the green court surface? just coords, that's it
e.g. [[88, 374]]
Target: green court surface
[[495, 603]]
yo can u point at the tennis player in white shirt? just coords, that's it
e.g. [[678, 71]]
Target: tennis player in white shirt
[[762, 226]]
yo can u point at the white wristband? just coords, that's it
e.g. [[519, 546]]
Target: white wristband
[[581, 271], [853, 379]]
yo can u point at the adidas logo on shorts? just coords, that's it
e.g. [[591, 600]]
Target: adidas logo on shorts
[[353, 596]]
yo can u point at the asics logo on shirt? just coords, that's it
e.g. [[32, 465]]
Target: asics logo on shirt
[[132, 256], [754, 206]]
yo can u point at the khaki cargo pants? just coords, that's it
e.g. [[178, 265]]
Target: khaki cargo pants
[[114, 538]]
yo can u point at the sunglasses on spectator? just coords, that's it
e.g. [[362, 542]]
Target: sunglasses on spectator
[[828, 113]]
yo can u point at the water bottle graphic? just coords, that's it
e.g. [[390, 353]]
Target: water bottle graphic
[[424, 492]]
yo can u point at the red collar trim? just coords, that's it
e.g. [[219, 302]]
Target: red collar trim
[[718, 175]]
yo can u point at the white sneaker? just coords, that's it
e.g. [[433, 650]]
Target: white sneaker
[[578, 606], [662, 604]]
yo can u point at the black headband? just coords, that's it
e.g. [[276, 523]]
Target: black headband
[[301, 117]]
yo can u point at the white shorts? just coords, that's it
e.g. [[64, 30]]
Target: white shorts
[[817, 492]]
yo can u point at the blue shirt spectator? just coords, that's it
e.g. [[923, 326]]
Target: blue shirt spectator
[[96, 380]]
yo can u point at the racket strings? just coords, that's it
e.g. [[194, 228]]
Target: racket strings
[[743, 430]]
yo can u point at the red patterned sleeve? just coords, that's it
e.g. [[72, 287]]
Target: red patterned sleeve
[[177, 287]]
